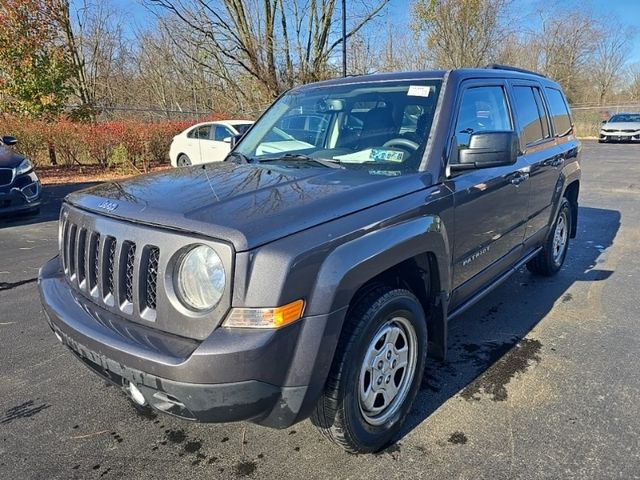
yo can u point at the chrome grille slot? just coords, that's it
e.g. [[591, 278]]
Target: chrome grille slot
[[71, 252], [94, 260], [127, 277], [109, 267], [81, 253], [151, 280], [65, 242]]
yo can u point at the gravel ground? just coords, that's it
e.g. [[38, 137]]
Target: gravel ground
[[541, 381]]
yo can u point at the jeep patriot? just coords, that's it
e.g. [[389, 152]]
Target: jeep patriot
[[313, 272]]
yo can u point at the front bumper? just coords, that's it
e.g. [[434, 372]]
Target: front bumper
[[620, 136], [23, 194], [269, 377]]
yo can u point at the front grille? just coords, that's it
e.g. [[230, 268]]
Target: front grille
[[6, 176], [125, 269], [105, 267], [627, 130]]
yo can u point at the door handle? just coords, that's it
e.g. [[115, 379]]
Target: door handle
[[518, 178]]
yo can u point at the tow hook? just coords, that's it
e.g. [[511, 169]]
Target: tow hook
[[135, 394]]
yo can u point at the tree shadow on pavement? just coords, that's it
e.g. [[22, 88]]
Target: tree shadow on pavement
[[52, 196], [487, 344]]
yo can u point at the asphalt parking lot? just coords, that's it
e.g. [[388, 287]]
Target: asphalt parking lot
[[542, 379]]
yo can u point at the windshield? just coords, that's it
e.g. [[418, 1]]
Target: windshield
[[375, 125], [625, 117]]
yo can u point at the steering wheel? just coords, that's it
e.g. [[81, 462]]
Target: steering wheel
[[402, 142]]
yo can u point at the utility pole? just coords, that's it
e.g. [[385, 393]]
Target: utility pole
[[344, 38]]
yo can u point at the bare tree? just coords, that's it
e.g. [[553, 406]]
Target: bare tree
[[95, 45], [633, 74], [461, 33], [278, 43], [610, 55]]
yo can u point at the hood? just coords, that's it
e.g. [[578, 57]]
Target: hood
[[246, 205], [622, 125], [9, 158]]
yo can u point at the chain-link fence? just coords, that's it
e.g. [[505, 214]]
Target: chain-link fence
[[155, 115], [589, 118]]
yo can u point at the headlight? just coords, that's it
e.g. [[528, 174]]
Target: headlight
[[24, 167], [200, 278]]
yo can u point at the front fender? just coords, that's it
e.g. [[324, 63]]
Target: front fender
[[354, 263]]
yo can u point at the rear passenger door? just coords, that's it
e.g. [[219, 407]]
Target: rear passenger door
[[490, 203], [198, 153], [538, 149]]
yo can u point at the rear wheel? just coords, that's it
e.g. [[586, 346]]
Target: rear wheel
[[376, 371], [549, 261], [183, 161]]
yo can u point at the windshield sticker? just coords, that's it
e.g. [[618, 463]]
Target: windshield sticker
[[419, 91], [383, 155]]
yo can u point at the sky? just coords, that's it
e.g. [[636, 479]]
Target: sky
[[398, 13]]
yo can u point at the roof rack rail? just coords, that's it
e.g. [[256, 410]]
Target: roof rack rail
[[497, 66]]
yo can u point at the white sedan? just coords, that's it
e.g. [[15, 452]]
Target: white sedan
[[205, 142]]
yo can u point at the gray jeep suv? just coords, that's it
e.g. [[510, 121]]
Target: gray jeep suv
[[312, 273]]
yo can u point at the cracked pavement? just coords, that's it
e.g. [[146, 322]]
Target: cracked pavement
[[541, 380]]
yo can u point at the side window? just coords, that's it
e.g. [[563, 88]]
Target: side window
[[528, 115], [220, 133], [201, 133], [482, 109], [543, 113], [559, 112]]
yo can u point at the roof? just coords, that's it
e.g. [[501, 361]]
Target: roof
[[234, 122], [491, 71]]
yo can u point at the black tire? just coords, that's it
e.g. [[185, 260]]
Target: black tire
[[549, 261], [339, 413], [183, 160]]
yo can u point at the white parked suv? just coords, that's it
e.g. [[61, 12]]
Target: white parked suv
[[205, 142]]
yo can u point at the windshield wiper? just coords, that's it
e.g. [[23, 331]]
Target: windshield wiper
[[240, 156], [331, 163]]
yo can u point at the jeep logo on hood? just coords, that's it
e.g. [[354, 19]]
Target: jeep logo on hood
[[108, 205]]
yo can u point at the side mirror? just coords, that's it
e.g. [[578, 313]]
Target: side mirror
[[227, 140], [488, 149], [604, 121], [233, 140], [9, 140]]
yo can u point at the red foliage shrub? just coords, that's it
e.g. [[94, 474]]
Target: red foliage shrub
[[125, 143]]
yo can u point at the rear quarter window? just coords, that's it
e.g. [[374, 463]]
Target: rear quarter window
[[559, 112]]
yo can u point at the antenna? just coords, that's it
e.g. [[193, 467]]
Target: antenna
[[206, 174]]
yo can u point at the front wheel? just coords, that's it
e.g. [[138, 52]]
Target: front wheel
[[550, 259], [376, 371]]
